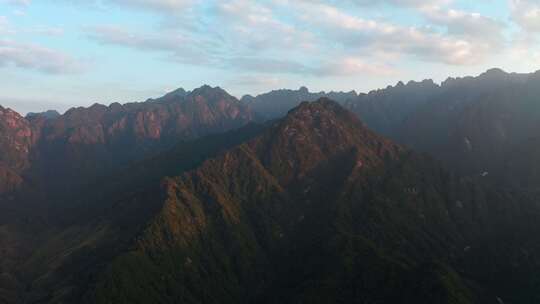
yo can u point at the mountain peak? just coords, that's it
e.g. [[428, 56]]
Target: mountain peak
[[180, 92], [322, 106], [315, 132], [206, 91], [49, 114], [494, 74], [7, 111], [495, 71], [209, 91]]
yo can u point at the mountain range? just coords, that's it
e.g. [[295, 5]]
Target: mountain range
[[88, 142], [416, 193]]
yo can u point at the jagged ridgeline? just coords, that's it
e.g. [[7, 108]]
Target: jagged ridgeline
[[317, 208], [476, 125], [57, 172], [313, 207], [85, 143]]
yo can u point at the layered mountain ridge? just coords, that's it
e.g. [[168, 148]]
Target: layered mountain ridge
[[473, 124], [356, 218], [188, 198], [277, 103]]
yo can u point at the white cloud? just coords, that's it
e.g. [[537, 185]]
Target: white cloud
[[257, 81], [18, 12], [370, 36], [46, 31], [350, 66], [170, 7], [17, 2], [4, 25], [372, 3], [308, 37], [163, 5], [120, 36], [179, 46], [526, 13], [31, 55], [266, 65], [239, 36], [419, 3], [188, 52], [257, 27], [473, 26], [35, 57]]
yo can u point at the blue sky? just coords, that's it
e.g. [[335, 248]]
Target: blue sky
[[63, 53]]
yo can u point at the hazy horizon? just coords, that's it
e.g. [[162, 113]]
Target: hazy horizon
[[28, 105]]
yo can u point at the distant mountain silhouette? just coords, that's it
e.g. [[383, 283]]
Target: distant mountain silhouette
[[473, 124], [50, 114], [385, 110], [276, 104], [476, 124]]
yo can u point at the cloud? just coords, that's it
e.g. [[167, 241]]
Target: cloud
[[116, 35], [17, 2], [258, 28], [4, 26], [239, 34], [18, 12], [348, 66], [258, 81], [371, 37], [170, 7], [184, 49], [181, 47], [351, 66], [35, 57], [236, 23], [267, 65], [307, 37], [481, 31], [160, 5], [417, 3], [376, 3], [526, 13], [45, 31], [187, 50]]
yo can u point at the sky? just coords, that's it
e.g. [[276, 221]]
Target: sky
[[56, 54]]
